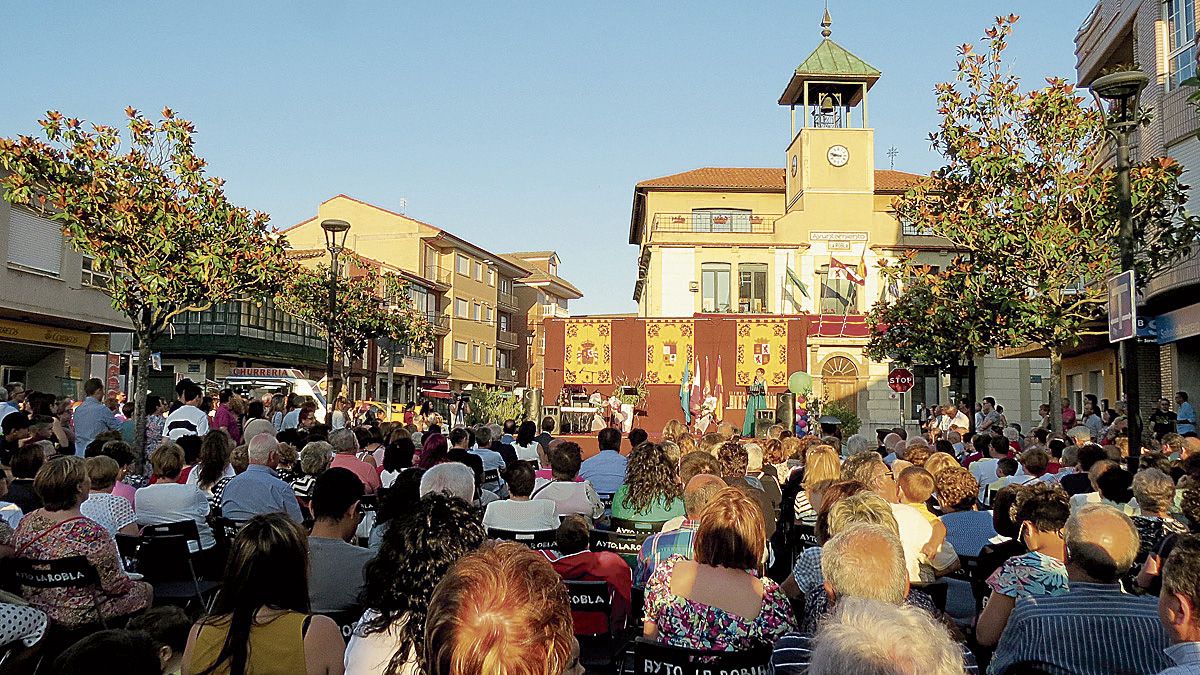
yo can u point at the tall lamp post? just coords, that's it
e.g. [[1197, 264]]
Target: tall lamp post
[[335, 243], [1117, 96]]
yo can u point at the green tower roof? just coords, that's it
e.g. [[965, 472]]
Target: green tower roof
[[830, 62]]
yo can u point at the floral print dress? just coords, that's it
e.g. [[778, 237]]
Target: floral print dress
[[40, 538], [686, 623], [1029, 576]]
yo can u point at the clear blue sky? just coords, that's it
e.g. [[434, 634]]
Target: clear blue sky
[[516, 125]]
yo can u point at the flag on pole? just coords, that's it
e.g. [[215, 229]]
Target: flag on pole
[[695, 399], [719, 392], [685, 393], [790, 279], [707, 380], [847, 272]]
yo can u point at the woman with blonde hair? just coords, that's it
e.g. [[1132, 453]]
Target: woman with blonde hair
[[674, 430], [715, 600], [939, 461], [822, 467]]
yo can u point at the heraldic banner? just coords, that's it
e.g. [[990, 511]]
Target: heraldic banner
[[588, 352], [670, 343], [762, 344]]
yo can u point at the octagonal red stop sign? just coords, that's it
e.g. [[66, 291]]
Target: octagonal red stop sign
[[900, 380]]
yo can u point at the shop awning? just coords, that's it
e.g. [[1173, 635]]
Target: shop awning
[[434, 393]]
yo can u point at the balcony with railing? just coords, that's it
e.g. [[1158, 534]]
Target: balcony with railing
[[438, 274], [439, 322], [506, 339], [552, 311], [437, 367], [506, 300], [508, 375], [706, 226]]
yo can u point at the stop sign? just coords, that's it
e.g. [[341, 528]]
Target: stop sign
[[900, 380]]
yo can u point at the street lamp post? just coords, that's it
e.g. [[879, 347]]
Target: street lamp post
[[1117, 95], [335, 243]]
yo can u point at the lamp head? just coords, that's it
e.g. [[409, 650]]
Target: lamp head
[[1117, 95], [335, 234]]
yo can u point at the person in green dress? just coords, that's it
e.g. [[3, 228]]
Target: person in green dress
[[651, 491], [756, 401]]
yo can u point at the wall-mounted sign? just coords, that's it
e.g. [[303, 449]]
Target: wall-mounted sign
[[837, 236]]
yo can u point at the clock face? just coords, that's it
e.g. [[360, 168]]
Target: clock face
[[795, 160], [838, 155]]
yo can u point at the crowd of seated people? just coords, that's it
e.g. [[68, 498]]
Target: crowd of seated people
[[392, 548]]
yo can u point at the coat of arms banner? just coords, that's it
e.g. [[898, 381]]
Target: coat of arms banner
[[670, 343], [588, 351], [762, 344]]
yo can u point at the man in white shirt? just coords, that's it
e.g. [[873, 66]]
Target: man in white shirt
[[6, 406], [519, 513], [951, 417], [188, 419]]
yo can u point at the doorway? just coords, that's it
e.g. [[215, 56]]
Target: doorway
[[839, 378]]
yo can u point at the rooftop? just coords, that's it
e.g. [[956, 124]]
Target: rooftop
[[760, 179]]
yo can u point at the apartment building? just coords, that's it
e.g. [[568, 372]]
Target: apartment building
[[1157, 37], [541, 295], [467, 289]]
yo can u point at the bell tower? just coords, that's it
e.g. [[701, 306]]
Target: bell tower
[[832, 150]]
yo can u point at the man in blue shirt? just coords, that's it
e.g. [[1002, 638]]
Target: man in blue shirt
[[493, 462], [258, 489], [92, 417], [1098, 627], [1179, 606], [700, 490], [1185, 419], [606, 469]]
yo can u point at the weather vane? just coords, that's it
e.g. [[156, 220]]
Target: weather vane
[[891, 153]]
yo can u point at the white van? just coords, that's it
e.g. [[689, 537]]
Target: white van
[[256, 382]]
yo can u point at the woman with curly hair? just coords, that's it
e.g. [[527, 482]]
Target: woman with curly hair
[[417, 550], [674, 430], [651, 491], [967, 528]]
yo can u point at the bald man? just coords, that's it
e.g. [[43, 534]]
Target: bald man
[[1099, 628], [697, 494]]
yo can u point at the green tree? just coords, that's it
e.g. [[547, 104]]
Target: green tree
[[1027, 197], [370, 305], [148, 216]]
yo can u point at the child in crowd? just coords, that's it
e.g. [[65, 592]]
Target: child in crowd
[[916, 487], [1006, 469], [168, 627]]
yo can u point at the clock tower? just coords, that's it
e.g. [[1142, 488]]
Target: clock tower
[[831, 157]]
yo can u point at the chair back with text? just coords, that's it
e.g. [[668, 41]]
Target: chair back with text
[[652, 657], [542, 540], [625, 526], [69, 572], [625, 545], [591, 606], [183, 528]]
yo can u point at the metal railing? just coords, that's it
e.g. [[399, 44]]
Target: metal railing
[[507, 337], [506, 299], [437, 366], [438, 274], [703, 222], [438, 320], [506, 374], [909, 229]]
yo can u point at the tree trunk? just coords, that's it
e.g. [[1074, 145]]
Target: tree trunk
[[139, 397], [1056, 418]]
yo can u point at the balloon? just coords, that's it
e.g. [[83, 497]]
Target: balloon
[[800, 383]]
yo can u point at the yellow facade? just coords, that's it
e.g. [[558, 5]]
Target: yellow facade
[[467, 307], [777, 241]]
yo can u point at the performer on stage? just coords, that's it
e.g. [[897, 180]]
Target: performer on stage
[[616, 417], [707, 422], [757, 400]]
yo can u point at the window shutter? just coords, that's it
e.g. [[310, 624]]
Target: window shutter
[[34, 242]]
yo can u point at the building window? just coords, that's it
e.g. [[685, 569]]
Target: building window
[[475, 311], [478, 271], [487, 355], [460, 308], [35, 243], [838, 296], [752, 287], [491, 277], [488, 314], [552, 267], [721, 220], [1181, 31], [506, 284], [475, 353], [503, 321], [92, 276], [714, 287], [460, 351], [462, 265]]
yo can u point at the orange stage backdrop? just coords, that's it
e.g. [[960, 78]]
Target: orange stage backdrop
[[588, 352]]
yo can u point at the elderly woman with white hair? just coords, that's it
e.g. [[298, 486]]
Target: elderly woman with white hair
[[854, 445], [1155, 495], [451, 478]]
